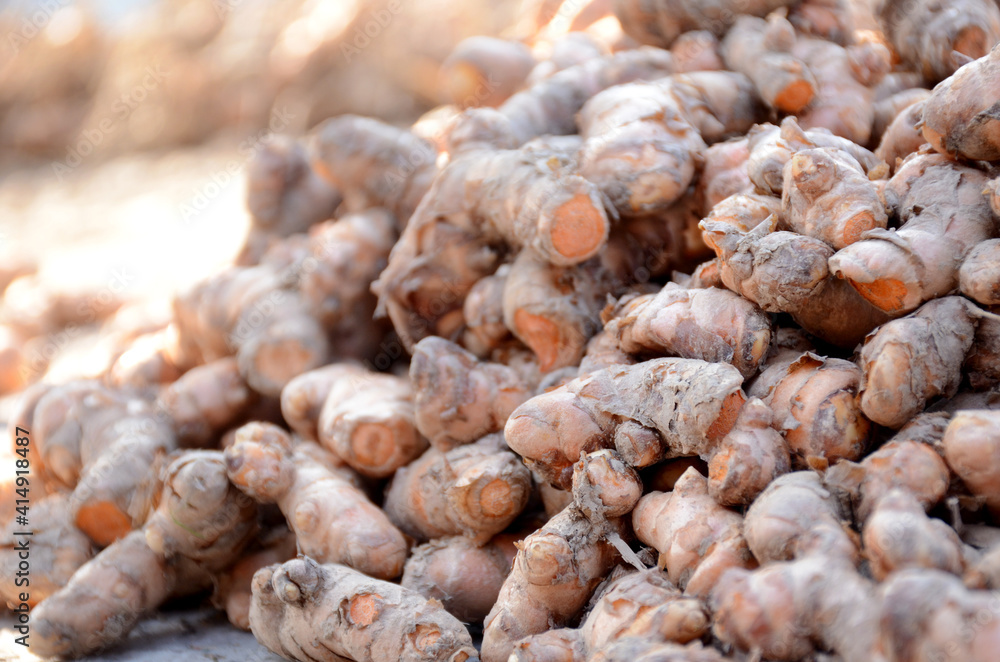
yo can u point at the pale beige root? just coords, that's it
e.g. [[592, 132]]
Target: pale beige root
[[464, 576], [643, 604], [555, 645], [205, 401], [933, 341], [640, 649], [786, 515], [34, 306], [106, 598], [817, 407], [550, 106], [982, 363], [697, 50], [925, 33], [369, 421], [899, 535], [374, 164], [201, 516], [979, 275], [984, 571], [233, 587], [55, 550], [329, 613], [891, 107], [458, 398], [745, 211], [929, 615], [761, 50], [944, 215], [714, 325], [567, 50], [704, 276], [845, 81], [686, 401], [771, 147], [255, 314], [332, 519], [827, 195], [643, 142], [303, 397], [660, 22], [444, 250], [19, 364], [484, 71], [970, 447], [603, 351], [554, 310], [22, 415], [724, 173], [284, 195], [786, 611], [483, 314], [748, 458], [345, 257], [475, 490], [908, 462], [698, 540], [149, 360], [960, 116], [106, 447], [787, 272], [832, 20], [902, 137], [554, 573]]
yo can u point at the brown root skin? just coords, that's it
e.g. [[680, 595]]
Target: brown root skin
[[745, 211], [303, 397], [660, 23], [982, 363], [724, 173], [780, 522], [327, 613], [760, 49], [550, 106], [201, 515], [463, 575], [555, 645], [284, 195], [944, 215], [458, 398], [907, 462], [205, 401], [684, 400], [368, 420], [913, 605], [484, 71], [925, 33], [748, 458], [233, 587], [482, 310], [553, 310], [787, 272], [816, 407], [827, 195], [604, 486], [970, 447], [698, 540], [902, 137], [936, 338], [263, 463], [374, 164], [58, 549], [709, 324], [554, 573], [899, 535], [979, 275], [475, 490], [786, 611]]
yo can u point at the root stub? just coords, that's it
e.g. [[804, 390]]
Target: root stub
[[578, 229]]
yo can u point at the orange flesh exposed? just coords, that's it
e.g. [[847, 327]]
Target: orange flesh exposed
[[727, 417], [541, 335], [794, 97], [578, 228], [887, 294], [104, 522]]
